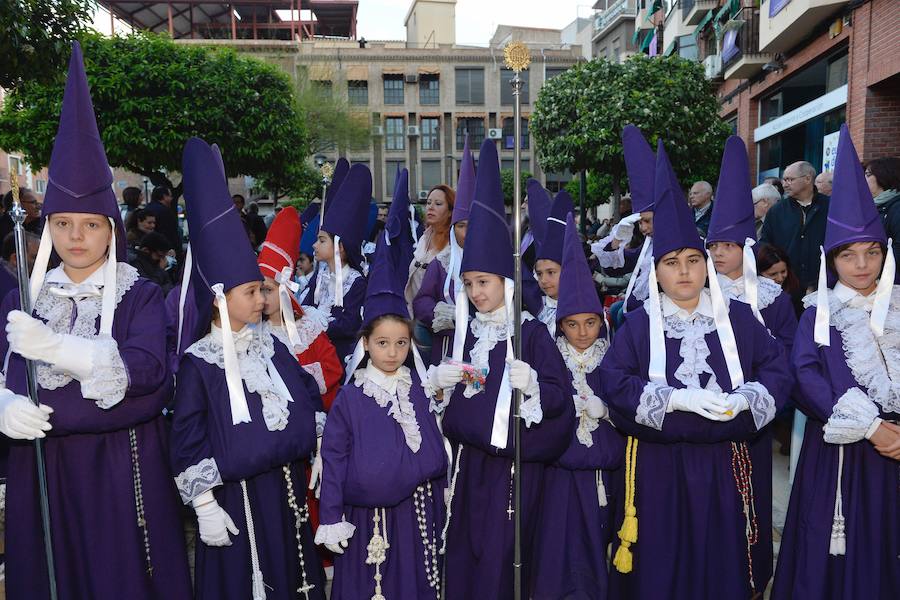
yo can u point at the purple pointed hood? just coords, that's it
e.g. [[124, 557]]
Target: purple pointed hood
[[219, 243], [673, 219], [384, 292], [852, 216], [641, 167], [550, 246], [465, 187], [341, 168], [488, 244], [732, 215], [80, 180], [539, 205], [398, 228], [347, 215], [577, 293]]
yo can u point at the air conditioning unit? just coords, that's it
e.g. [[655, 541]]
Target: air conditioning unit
[[423, 195], [412, 78], [377, 131], [412, 131], [712, 66], [495, 133]]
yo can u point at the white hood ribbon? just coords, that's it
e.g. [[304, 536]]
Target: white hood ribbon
[[359, 352], [412, 223], [822, 335], [456, 253], [751, 281], [182, 296], [338, 273], [108, 303], [286, 285], [240, 413], [634, 275]]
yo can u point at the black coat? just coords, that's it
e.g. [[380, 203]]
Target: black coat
[[801, 237], [890, 217]]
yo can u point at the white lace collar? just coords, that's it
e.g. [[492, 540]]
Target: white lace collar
[[495, 317], [550, 302], [853, 298], [325, 283], [734, 289], [309, 326], [691, 329], [255, 348], [703, 308], [579, 365], [392, 392], [58, 276]]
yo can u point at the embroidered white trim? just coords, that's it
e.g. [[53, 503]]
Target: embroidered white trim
[[762, 404], [321, 419], [851, 418], [315, 369], [767, 290], [57, 311], [693, 349], [309, 326], [326, 282], [609, 259], [487, 333], [108, 380], [197, 479], [530, 409], [335, 533], [436, 406], [874, 362], [254, 352], [580, 364], [547, 316], [652, 405], [401, 409]]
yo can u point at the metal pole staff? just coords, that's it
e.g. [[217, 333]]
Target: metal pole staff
[[517, 58], [18, 217], [326, 171]]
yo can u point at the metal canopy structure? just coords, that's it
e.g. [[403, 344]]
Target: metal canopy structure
[[243, 19]]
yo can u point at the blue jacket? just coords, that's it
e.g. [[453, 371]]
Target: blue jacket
[[798, 234]]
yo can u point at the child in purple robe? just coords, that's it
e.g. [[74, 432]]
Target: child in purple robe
[[384, 465], [548, 263], [245, 417], [97, 336], [478, 417], [693, 382], [575, 521], [339, 287], [842, 535]]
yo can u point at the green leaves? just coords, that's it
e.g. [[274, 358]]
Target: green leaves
[[150, 95], [579, 116]]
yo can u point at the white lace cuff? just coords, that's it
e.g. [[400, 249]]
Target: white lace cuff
[[315, 369], [197, 479], [851, 418], [761, 402], [652, 405], [335, 533], [321, 418], [609, 259], [436, 406], [530, 410], [108, 380]]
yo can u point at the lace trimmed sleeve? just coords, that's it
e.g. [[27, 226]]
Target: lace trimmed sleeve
[[530, 410], [851, 418], [762, 404], [609, 259], [652, 405], [108, 380], [335, 533], [197, 479]]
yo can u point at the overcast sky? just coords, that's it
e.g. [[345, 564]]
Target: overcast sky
[[475, 19]]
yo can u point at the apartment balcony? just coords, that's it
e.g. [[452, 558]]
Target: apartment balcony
[[612, 16], [741, 58], [792, 21], [692, 11]]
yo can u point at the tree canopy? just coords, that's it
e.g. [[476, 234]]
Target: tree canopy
[[579, 116], [507, 181], [35, 36], [150, 95]]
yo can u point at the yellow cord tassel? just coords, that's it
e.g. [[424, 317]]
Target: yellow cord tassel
[[628, 533]]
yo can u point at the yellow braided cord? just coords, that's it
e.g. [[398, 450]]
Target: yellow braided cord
[[628, 533]]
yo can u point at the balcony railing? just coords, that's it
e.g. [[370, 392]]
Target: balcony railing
[[743, 39], [622, 8]]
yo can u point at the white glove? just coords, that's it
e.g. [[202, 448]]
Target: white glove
[[444, 317], [315, 476], [20, 419], [707, 404], [212, 520], [596, 408], [33, 339], [624, 229], [445, 376], [522, 377], [734, 405], [337, 548]]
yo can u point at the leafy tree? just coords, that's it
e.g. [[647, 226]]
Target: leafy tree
[[35, 36], [150, 95], [579, 116], [331, 121], [507, 178]]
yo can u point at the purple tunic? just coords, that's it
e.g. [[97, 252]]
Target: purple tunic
[[430, 293], [479, 558], [688, 505], [202, 429], [574, 529], [344, 322], [870, 492], [368, 466], [98, 546]]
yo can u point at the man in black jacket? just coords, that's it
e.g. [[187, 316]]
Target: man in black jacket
[[160, 206], [797, 223]]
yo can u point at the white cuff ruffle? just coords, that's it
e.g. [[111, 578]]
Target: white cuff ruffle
[[851, 418], [335, 533]]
